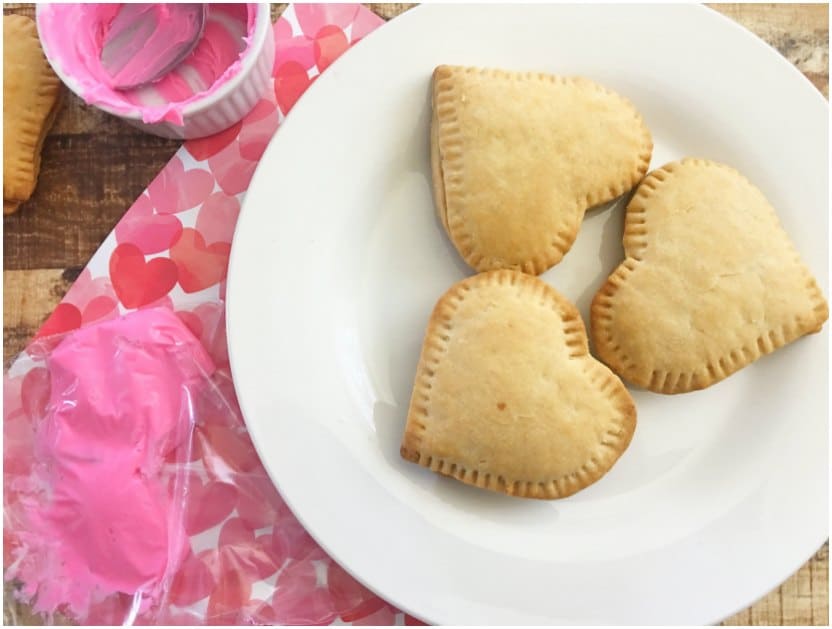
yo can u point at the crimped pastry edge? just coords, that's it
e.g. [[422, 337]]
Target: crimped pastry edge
[[446, 154], [435, 344], [20, 174], [709, 373]]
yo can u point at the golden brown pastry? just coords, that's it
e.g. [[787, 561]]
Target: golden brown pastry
[[710, 282], [31, 98], [507, 396], [518, 157]]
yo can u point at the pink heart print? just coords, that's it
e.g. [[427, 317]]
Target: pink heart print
[[252, 554], [176, 190], [203, 148], [330, 43], [64, 318], [313, 17], [217, 217], [290, 48], [249, 560], [365, 23], [232, 589], [199, 265], [99, 309], [95, 298], [138, 282], [260, 505], [207, 322], [233, 175], [226, 449], [351, 599], [258, 130], [193, 582], [299, 599], [149, 231], [233, 165], [34, 393], [290, 81], [207, 504]]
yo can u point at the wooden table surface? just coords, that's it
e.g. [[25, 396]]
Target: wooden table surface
[[94, 166]]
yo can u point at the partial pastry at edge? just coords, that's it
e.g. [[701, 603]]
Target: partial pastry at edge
[[32, 96]]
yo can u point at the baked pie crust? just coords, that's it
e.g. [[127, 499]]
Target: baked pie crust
[[507, 396], [518, 157]]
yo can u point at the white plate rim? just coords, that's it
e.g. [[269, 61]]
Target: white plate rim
[[234, 283]]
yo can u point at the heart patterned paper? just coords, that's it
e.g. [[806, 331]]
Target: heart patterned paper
[[249, 560]]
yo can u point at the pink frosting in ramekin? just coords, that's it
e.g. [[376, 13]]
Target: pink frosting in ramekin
[[73, 35]]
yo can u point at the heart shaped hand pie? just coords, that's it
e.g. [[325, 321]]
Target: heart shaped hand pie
[[507, 396], [710, 283], [518, 157]]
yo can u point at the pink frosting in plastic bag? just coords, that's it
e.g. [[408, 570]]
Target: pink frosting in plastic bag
[[120, 404]]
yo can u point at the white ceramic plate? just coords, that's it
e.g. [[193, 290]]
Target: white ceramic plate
[[338, 260]]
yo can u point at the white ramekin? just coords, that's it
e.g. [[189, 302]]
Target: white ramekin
[[214, 112]]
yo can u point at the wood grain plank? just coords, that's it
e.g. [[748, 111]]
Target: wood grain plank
[[799, 32], [390, 9], [741, 619], [19, 8], [29, 296], [803, 599], [87, 182], [819, 586]]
